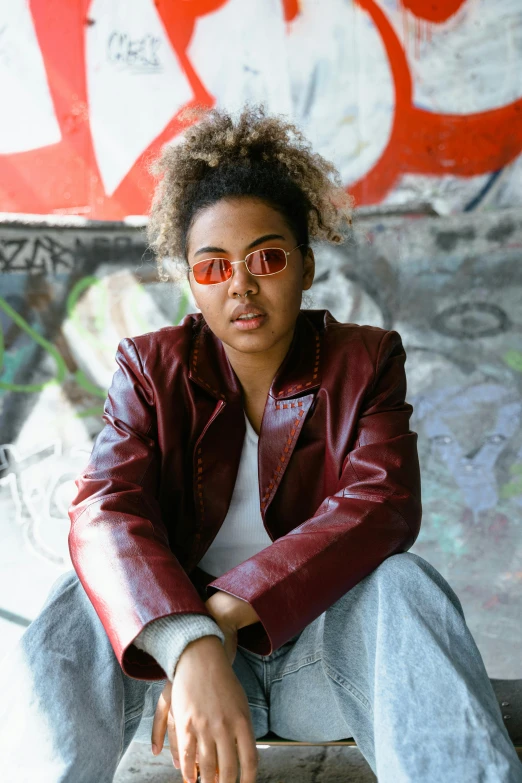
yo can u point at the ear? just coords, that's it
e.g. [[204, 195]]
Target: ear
[[308, 269]]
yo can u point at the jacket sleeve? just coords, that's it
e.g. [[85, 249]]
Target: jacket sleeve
[[165, 639], [117, 540], [375, 513]]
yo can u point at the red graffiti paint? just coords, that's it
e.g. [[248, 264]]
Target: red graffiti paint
[[290, 9], [423, 142], [64, 177], [433, 10], [60, 175]]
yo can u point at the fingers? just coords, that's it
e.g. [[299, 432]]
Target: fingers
[[247, 752], [218, 761], [226, 760], [187, 754], [159, 724], [173, 741], [207, 761]]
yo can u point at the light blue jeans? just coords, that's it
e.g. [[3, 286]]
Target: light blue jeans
[[392, 663]]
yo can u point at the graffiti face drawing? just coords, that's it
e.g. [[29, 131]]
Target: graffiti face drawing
[[468, 430]]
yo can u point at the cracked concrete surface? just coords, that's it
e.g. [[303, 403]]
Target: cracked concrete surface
[[285, 764], [277, 765]]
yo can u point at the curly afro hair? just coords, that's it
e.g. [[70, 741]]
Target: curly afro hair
[[254, 155]]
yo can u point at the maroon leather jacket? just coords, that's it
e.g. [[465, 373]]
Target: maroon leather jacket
[[338, 479]]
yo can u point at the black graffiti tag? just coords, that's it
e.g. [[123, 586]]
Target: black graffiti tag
[[136, 53], [42, 254]]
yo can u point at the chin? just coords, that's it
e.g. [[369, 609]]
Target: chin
[[251, 342]]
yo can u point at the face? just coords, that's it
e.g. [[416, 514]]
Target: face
[[231, 229]]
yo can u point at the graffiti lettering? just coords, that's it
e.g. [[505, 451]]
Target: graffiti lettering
[[136, 53], [43, 254]]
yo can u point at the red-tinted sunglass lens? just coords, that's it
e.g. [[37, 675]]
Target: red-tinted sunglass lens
[[213, 270], [266, 262]]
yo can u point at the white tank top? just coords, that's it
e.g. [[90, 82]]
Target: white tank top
[[242, 533]]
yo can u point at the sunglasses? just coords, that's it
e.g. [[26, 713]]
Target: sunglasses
[[260, 263]]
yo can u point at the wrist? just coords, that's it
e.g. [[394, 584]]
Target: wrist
[[230, 613], [202, 646]]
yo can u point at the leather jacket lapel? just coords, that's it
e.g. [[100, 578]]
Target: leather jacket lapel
[[216, 456], [289, 400], [282, 423]]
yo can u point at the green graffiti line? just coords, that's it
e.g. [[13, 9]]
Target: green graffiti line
[[96, 411], [7, 363], [513, 359], [101, 307], [183, 306], [82, 380], [137, 295], [512, 489], [75, 293], [61, 368]]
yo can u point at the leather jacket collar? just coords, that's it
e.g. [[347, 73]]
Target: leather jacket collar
[[299, 373]]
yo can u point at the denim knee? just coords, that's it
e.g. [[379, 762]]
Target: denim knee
[[409, 570], [60, 584]]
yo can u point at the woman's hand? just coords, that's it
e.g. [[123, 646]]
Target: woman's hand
[[206, 714]]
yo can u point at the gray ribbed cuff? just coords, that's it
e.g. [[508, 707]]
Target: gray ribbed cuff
[[166, 638]]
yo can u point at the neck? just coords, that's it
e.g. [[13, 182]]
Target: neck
[[256, 370]]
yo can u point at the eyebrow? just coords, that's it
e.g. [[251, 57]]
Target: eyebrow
[[258, 241]]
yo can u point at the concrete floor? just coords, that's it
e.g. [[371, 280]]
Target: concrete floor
[[277, 765]]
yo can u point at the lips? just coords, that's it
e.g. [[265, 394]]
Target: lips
[[246, 310]]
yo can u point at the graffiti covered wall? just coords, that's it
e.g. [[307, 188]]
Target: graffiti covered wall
[[451, 286], [414, 101], [419, 105], [67, 296]]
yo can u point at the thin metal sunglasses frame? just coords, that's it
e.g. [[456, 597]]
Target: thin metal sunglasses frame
[[244, 261]]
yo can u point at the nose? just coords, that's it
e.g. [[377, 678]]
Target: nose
[[242, 282]]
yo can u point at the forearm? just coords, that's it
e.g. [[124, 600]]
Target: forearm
[[230, 611]]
